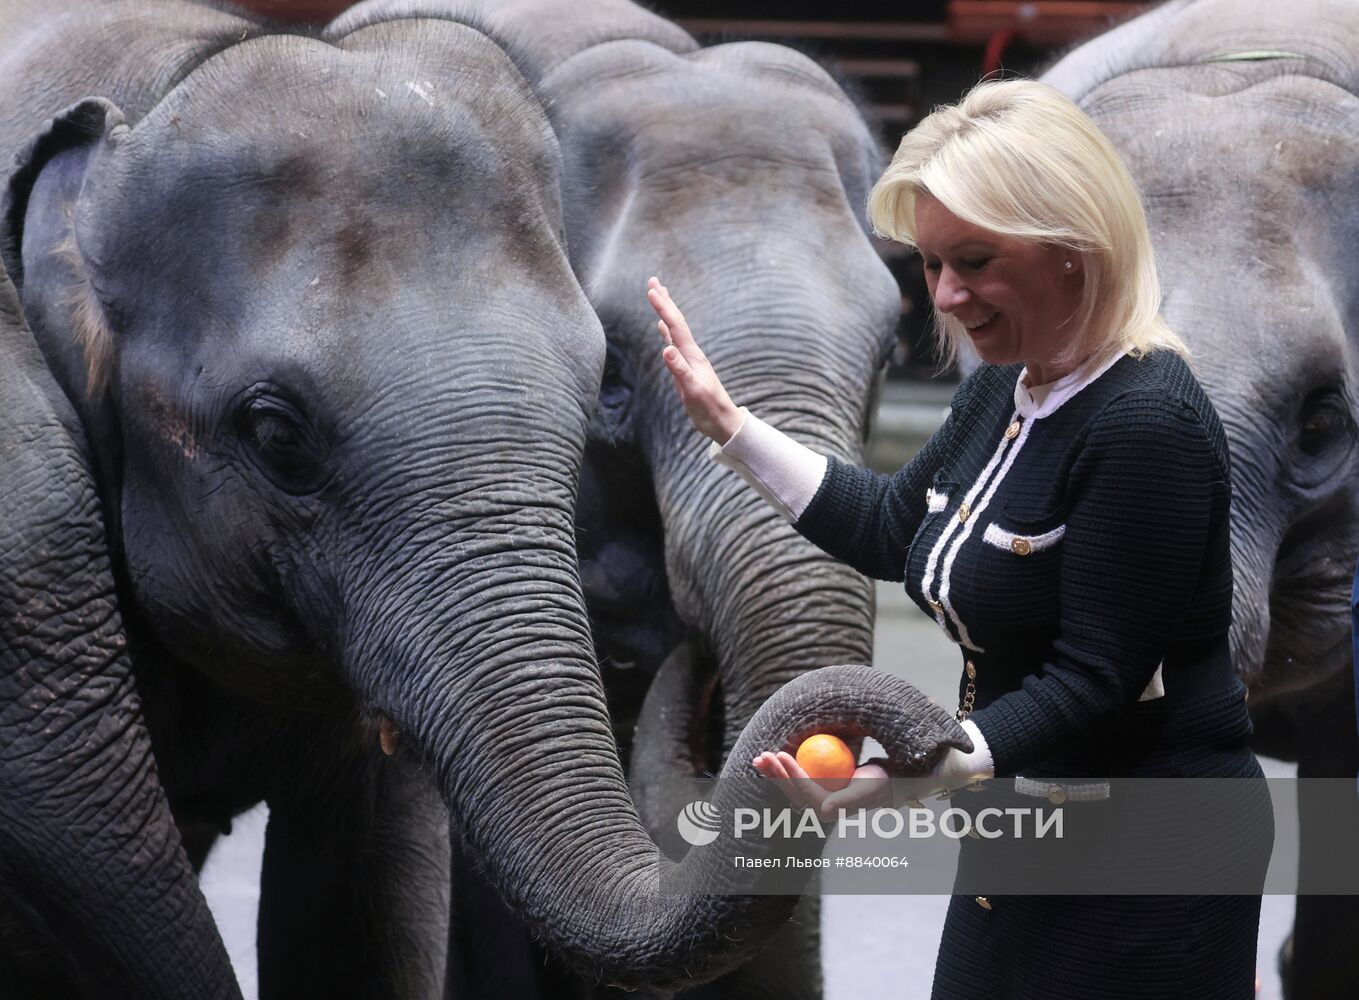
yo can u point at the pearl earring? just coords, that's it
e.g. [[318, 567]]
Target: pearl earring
[[1068, 265]]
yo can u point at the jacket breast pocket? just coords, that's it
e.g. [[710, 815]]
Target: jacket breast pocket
[[1022, 540], [1024, 536], [1019, 564]]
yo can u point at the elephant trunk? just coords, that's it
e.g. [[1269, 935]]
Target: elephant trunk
[[502, 691], [768, 603], [1253, 575]]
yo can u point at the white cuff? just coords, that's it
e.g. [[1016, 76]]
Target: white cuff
[[958, 769], [784, 472]]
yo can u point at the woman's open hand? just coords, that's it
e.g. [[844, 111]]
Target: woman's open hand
[[870, 785], [700, 390]]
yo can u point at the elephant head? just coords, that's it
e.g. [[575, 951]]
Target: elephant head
[[317, 316], [90, 860], [738, 174]]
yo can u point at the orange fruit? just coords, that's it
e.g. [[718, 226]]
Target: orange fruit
[[827, 759]]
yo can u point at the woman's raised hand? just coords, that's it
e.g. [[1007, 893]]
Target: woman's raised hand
[[700, 390]]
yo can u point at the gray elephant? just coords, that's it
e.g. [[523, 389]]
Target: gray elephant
[[71, 717], [1241, 124], [310, 302], [739, 173]]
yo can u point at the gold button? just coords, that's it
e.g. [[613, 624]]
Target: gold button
[[935, 604], [1012, 431], [1021, 546], [983, 902], [971, 671], [963, 512], [1056, 795]]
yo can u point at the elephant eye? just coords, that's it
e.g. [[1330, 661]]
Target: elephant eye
[[615, 388], [281, 444], [1326, 433], [1324, 420], [1319, 428], [612, 419]]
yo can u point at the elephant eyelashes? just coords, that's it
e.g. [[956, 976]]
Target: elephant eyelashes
[[1324, 419], [1326, 435], [281, 444]]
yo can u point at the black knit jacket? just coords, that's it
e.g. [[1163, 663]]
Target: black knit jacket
[[1094, 547]]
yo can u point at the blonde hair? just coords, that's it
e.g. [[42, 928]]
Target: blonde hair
[[1018, 158]]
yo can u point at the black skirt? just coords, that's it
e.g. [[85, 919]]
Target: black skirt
[[1105, 947], [1099, 948]]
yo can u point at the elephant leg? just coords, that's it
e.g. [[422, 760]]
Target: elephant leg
[[491, 954], [354, 885], [35, 963], [199, 838], [1321, 965], [789, 967], [671, 734]]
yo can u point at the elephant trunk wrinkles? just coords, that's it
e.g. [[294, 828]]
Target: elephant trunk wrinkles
[[1256, 531], [775, 606], [768, 602], [1253, 573], [508, 703]]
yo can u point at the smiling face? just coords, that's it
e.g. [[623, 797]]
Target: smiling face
[[1016, 297]]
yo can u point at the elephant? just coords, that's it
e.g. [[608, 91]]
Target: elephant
[[1241, 125], [71, 716], [309, 301], [740, 173]]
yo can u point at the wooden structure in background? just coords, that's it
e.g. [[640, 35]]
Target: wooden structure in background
[[1036, 22], [314, 11]]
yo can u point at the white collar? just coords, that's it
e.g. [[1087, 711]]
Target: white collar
[[1037, 401]]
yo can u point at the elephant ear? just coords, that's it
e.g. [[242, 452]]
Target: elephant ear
[[63, 150]]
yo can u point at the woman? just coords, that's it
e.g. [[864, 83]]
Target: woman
[[1067, 527]]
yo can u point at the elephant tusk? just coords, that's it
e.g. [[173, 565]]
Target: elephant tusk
[[388, 734]]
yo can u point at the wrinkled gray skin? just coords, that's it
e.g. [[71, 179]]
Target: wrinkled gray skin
[[738, 173], [72, 719], [338, 443], [1250, 171]]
